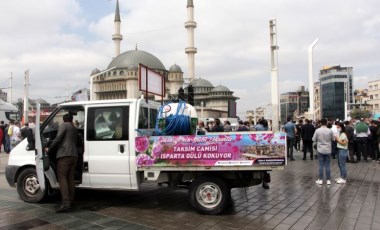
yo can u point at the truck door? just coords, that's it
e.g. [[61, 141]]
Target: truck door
[[108, 147]]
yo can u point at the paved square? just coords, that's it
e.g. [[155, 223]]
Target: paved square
[[294, 201]]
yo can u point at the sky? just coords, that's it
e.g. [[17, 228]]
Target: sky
[[61, 41]]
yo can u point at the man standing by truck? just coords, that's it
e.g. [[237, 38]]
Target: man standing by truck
[[290, 130], [65, 145]]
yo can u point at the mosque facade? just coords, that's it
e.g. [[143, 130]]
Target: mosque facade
[[120, 79]]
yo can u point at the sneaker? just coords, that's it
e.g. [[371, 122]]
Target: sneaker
[[339, 178], [319, 181], [341, 181], [328, 182]]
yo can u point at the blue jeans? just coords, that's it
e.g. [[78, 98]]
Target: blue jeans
[[324, 162], [342, 158]]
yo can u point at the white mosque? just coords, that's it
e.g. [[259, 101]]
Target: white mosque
[[120, 79]]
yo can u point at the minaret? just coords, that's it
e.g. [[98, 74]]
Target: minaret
[[190, 50], [117, 37]]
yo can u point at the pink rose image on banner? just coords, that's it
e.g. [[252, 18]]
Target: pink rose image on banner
[[238, 137], [142, 144], [253, 137], [156, 151], [144, 160]]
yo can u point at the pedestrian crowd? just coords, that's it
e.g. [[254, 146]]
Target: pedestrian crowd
[[11, 134], [215, 125], [350, 141]]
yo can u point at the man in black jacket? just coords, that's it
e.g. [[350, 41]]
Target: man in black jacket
[[307, 132], [66, 146]]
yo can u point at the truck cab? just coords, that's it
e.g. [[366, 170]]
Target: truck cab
[[106, 160]]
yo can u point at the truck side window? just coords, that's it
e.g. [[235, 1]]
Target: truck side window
[[50, 127], [108, 123]]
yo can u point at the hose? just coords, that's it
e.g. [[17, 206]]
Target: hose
[[177, 124]]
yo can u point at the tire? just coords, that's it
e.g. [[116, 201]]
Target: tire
[[209, 195], [28, 186]]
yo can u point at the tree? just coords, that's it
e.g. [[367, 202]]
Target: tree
[[358, 113]]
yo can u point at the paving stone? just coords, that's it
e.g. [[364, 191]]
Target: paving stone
[[292, 202]]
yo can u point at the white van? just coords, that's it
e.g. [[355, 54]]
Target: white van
[[109, 159], [8, 112]]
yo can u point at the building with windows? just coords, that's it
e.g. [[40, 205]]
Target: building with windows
[[294, 104], [374, 96], [336, 89]]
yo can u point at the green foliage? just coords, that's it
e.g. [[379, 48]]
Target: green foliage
[[358, 113]]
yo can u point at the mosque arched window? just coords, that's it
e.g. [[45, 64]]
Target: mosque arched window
[[121, 73], [114, 73]]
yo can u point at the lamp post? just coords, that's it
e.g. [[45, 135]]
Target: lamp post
[[311, 79]]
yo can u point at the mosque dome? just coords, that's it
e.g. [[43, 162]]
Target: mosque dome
[[132, 58], [220, 88], [95, 71], [175, 69], [199, 82]]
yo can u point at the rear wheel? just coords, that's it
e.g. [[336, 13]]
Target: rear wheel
[[28, 186], [209, 195]]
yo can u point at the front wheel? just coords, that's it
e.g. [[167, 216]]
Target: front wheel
[[209, 195], [28, 186]]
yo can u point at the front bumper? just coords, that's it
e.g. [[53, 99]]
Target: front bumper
[[10, 174]]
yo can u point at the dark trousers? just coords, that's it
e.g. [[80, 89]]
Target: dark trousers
[[307, 147], [290, 145], [362, 148], [297, 143], [334, 149], [351, 151], [374, 149], [66, 173]]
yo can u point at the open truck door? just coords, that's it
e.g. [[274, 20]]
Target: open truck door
[[39, 152]]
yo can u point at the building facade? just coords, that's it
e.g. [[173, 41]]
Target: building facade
[[336, 89], [294, 104], [374, 96]]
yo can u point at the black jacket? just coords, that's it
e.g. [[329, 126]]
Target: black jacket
[[66, 141], [307, 132]]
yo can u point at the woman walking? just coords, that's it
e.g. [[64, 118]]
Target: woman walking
[[342, 145]]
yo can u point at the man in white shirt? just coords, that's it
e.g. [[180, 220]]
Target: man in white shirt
[[16, 135]]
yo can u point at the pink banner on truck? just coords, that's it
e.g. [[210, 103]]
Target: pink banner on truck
[[254, 149]]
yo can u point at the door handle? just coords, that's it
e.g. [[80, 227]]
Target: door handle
[[121, 148]]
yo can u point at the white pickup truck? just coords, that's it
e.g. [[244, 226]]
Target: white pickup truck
[[117, 153]]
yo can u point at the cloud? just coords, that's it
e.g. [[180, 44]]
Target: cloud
[[61, 41]]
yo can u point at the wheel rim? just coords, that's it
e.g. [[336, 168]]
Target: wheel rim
[[209, 195], [31, 185]]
